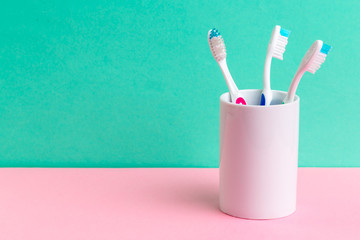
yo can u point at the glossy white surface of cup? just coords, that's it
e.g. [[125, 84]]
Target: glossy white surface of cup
[[258, 156]]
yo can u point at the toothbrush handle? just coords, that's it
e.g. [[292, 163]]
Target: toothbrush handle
[[294, 84], [229, 80], [266, 75], [266, 95]]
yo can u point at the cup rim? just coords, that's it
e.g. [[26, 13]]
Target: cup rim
[[222, 100]]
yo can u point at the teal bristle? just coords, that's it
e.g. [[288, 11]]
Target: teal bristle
[[284, 32], [325, 48], [214, 33]]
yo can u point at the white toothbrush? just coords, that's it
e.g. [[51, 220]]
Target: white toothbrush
[[311, 62], [276, 48], [218, 50]]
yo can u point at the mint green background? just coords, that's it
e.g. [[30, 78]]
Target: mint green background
[[133, 83]]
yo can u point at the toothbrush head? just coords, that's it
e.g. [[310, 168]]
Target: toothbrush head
[[278, 41], [216, 44], [315, 56]]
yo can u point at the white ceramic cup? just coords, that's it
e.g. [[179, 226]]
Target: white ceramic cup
[[258, 156]]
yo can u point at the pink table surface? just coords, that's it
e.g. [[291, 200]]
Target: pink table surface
[[165, 203]]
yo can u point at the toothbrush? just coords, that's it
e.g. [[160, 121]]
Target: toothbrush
[[276, 48], [218, 50], [311, 62]]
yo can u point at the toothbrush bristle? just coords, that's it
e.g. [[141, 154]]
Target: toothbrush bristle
[[216, 43], [285, 32], [214, 33], [325, 48], [281, 43], [316, 62]]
